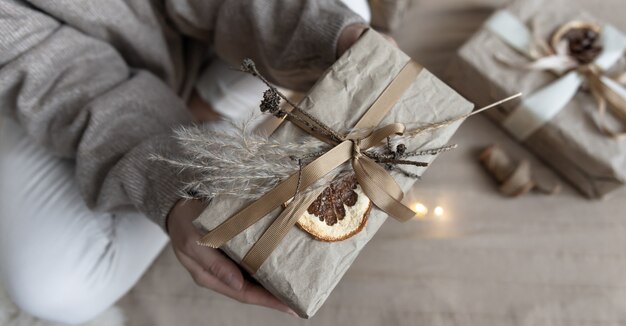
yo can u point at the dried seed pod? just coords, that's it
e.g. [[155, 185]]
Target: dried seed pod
[[271, 103], [584, 41], [247, 65], [401, 149]]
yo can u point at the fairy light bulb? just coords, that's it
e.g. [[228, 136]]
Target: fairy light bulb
[[438, 211], [420, 210]]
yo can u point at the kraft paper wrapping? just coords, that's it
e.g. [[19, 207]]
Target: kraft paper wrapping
[[387, 14], [570, 142], [302, 271]]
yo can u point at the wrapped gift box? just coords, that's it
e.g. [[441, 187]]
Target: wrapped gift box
[[303, 271], [568, 137]]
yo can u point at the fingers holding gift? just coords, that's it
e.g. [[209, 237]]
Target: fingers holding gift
[[220, 267], [244, 292], [256, 295], [208, 267], [352, 33]]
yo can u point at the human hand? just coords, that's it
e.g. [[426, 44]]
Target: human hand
[[210, 268], [351, 34]]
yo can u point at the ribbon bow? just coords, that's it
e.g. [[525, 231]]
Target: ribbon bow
[[540, 107], [377, 184]]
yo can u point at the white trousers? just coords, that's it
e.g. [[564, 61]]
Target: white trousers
[[62, 262], [59, 260]]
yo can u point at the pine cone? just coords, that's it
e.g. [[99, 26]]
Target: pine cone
[[584, 41]]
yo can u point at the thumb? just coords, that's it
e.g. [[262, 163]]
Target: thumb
[[220, 266], [349, 36]]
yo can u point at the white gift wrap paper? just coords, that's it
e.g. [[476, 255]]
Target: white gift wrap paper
[[302, 271], [570, 142]]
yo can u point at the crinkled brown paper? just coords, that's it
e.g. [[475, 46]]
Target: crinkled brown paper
[[570, 142], [302, 271]]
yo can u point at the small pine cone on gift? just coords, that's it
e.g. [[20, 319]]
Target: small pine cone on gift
[[584, 44]]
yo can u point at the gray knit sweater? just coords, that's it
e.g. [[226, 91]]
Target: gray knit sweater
[[105, 82]]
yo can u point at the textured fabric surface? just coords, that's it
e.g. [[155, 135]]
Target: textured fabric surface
[[59, 261], [104, 82], [487, 260]]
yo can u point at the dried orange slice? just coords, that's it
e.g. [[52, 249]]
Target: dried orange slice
[[338, 213]]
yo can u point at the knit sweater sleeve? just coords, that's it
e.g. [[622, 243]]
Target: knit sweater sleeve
[[76, 95], [292, 42], [74, 92]]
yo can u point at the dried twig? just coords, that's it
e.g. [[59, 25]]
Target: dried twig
[[445, 123], [403, 162], [231, 161], [248, 66]]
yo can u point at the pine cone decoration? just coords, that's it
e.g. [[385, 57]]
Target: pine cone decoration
[[584, 41]]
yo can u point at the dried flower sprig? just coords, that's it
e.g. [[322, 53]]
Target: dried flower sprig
[[232, 161], [235, 162], [401, 152], [269, 104], [248, 66]]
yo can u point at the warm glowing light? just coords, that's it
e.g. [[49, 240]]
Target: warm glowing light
[[438, 211], [420, 210]]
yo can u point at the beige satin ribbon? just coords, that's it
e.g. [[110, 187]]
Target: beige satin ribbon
[[560, 62], [515, 179], [605, 95], [377, 184]]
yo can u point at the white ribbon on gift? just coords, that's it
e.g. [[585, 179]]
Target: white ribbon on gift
[[540, 107]]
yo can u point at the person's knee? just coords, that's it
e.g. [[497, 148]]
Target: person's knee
[[65, 298]]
